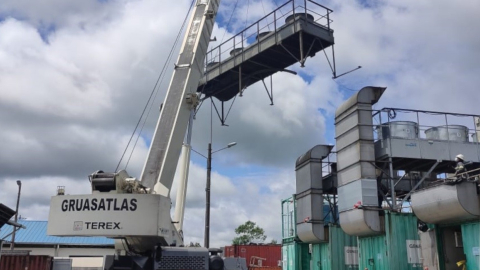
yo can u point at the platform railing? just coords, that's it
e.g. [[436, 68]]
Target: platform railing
[[288, 220], [426, 120], [269, 24]]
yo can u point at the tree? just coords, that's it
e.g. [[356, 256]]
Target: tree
[[247, 233], [274, 242]]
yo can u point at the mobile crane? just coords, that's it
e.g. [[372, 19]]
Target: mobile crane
[[137, 212]]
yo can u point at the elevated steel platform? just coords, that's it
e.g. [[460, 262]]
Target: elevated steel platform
[[412, 146], [421, 154], [426, 155], [272, 44]]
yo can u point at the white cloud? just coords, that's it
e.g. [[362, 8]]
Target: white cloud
[[36, 192], [233, 202]]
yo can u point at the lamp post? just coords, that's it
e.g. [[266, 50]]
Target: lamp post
[[19, 183], [207, 191]]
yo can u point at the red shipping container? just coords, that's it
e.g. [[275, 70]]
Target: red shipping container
[[256, 255], [22, 262]]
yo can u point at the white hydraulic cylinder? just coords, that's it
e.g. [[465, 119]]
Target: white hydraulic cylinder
[[182, 187]]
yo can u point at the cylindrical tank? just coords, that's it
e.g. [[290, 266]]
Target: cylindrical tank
[[211, 65], [475, 137], [454, 133], [262, 34], [236, 51], [298, 16], [398, 129]]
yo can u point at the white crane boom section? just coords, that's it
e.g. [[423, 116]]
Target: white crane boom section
[[121, 207], [161, 163]]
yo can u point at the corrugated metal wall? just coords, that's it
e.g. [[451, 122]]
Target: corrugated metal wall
[[324, 262], [315, 257], [295, 256], [372, 253], [289, 256], [30, 262], [332, 255], [258, 255], [305, 256], [471, 244], [342, 245], [340, 253], [398, 249], [403, 241]]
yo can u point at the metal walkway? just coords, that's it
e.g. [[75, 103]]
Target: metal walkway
[[425, 153], [270, 45]]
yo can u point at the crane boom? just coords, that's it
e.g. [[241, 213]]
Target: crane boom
[[137, 213], [160, 166], [121, 206]]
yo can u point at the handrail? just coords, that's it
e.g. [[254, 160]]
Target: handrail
[[426, 120], [329, 10], [428, 112], [246, 36]]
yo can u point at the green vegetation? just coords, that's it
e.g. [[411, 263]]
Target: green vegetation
[[247, 233]]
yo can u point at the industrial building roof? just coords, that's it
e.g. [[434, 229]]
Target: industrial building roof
[[36, 233]]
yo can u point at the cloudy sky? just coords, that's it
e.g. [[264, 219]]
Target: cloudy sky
[[75, 76]]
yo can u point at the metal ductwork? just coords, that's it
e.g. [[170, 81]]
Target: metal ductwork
[[355, 158], [447, 203], [309, 197]]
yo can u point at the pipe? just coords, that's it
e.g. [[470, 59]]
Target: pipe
[[19, 183], [206, 239]]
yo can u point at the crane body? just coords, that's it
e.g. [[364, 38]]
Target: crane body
[[137, 212]]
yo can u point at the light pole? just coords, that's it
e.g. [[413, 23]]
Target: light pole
[[207, 191], [19, 183]]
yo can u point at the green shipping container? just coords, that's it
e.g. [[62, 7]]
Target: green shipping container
[[471, 244], [295, 256], [398, 249], [321, 257], [372, 252], [403, 241], [344, 249], [340, 253]]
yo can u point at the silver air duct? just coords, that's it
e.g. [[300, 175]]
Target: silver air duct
[[357, 184], [310, 194], [447, 203]]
